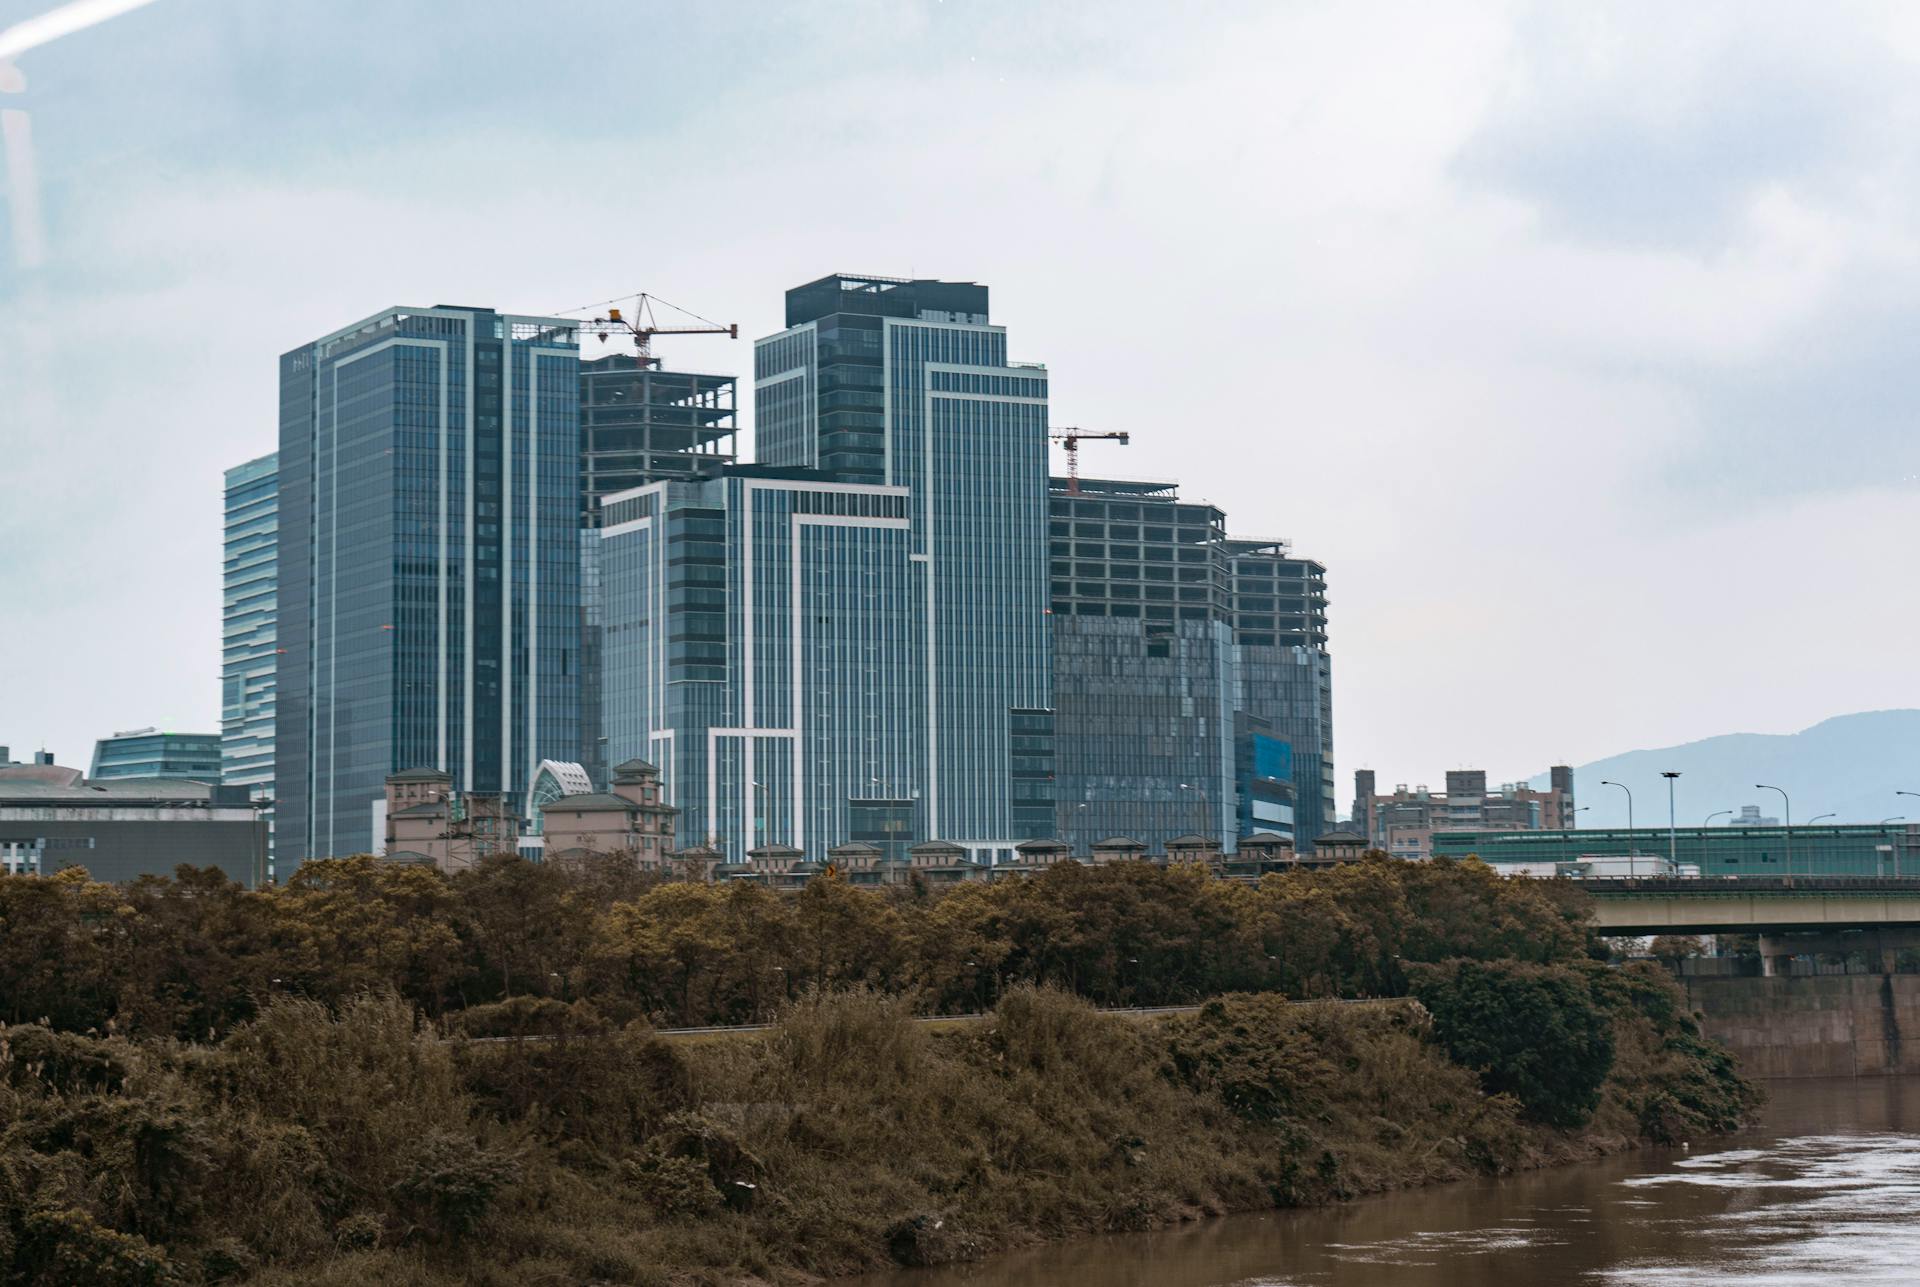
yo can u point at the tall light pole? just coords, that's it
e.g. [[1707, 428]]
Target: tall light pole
[[1761, 786], [1673, 832], [1578, 810], [1633, 845], [1816, 817], [1896, 853], [1199, 806], [1711, 816]]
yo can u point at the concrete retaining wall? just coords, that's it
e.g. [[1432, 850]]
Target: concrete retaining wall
[[1855, 1025]]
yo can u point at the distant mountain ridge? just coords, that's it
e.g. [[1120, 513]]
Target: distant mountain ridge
[[1849, 765]]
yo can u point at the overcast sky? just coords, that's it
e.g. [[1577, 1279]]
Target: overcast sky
[[1574, 339]]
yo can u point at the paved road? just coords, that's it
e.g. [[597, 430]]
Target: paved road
[[960, 1020]]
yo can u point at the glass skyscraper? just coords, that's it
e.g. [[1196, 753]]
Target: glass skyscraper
[[906, 383], [760, 626], [429, 564], [248, 623]]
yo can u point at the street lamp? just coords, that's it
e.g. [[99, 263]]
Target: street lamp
[[1633, 847], [1761, 786], [1711, 816], [1575, 827], [1199, 806], [1816, 817], [1673, 842]]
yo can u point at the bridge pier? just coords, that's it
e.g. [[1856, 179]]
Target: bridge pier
[[1787, 1024], [1881, 948]]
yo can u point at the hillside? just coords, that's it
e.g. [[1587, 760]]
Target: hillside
[[1849, 765]]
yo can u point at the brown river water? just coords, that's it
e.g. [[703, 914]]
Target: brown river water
[[1825, 1190]]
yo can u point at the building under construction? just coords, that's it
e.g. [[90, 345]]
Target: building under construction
[[639, 424], [1191, 680]]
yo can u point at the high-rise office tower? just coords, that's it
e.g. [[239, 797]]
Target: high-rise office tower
[[1144, 677], [760, 652], [639, 424], [1285, 676], [906, 383], [248, 620], [429, 564], [1191, 679]]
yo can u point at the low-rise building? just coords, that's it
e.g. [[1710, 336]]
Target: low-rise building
[[150, 753], [427, 821], [629, 818], [1402, 822], [52, 818]]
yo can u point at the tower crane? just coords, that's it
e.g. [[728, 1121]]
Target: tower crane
[[1071, 440], [642, 326]]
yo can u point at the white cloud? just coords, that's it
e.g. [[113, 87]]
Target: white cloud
[[1327, 263]]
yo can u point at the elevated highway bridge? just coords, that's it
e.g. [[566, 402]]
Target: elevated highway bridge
[[1878, 916], [1751, 904]]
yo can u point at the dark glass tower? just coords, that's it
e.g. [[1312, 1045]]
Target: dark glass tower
[[429, 563], [1191, 677]]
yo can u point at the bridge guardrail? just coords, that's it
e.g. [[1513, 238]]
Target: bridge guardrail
[[1759, 884]]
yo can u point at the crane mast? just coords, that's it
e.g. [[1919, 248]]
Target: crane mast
[[1071, 440]]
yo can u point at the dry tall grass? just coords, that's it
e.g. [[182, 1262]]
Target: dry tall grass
[[357, 1145]]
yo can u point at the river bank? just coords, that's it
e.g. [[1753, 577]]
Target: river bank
[[1818, 1192], [322, 1147]]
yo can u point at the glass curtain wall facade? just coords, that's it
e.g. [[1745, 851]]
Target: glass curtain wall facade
[[760, 652], [248, 620], [149, 753], [429, 564], [638, 425], [1191, 675], [1279, 606], [906, 383], [1145, 745], [1144, 665]]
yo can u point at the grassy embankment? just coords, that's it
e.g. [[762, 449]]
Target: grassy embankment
[[352, 1143]]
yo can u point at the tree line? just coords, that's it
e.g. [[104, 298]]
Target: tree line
[[195, 955]]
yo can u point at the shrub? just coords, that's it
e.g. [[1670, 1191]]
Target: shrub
[[63, 1061], [1535, 1032], [1247, 1050], [448, 1181], [673, 1185], [64, 1246]]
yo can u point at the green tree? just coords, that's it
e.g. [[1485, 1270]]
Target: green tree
[[523, 923], [344, 926], [845, 935], [63, 949], [1536, 1032], [1671, 949]]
